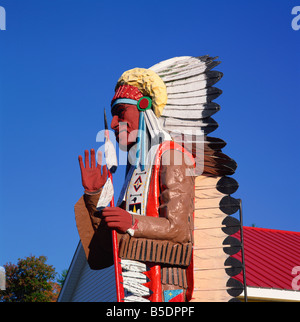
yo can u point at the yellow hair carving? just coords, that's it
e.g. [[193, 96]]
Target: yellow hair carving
[[149, 83]]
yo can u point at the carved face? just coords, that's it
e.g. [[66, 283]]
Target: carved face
[[125, 123]]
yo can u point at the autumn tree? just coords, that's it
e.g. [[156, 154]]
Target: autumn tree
[[31, 280]]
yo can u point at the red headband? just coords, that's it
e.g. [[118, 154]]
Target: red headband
[[127, 91]]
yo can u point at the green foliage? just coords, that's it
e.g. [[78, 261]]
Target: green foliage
[[31, 280], [61, 278]]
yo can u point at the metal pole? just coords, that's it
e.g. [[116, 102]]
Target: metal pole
[[118, 269], [242, 251], [117, 261]]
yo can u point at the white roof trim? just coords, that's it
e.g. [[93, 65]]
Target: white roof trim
[[73, 275], [271, 294]]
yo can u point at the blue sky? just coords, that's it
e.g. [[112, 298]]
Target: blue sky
[[59, 63]]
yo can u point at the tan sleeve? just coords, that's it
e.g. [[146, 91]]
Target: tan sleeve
[[176, 208], [94, 235]]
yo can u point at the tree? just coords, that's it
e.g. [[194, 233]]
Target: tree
[[62, 277], [31, 280]]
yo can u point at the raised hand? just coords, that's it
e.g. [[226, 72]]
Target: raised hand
[[92, 179]]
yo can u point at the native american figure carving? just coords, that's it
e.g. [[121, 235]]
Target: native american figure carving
[[171, 225]]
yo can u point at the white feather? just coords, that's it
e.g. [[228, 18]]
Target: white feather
[[184, 108], [187, 100], [186, 74], [177, 122], [110, 154], [197, 93], [186, 81], [186, 114], [169, 63], [106, 196], [187, 87]]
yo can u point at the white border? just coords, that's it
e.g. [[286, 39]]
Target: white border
[[270, 294]]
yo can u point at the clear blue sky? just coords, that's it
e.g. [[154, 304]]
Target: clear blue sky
[[59, 63]]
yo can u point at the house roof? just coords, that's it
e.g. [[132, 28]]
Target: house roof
[[272, 258]]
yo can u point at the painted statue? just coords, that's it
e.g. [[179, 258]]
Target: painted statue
[[171, 223]]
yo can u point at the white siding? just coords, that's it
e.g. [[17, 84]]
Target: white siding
[[95, 286], [85, 285]]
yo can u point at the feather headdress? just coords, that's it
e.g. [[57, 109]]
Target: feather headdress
[[187, 117]]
